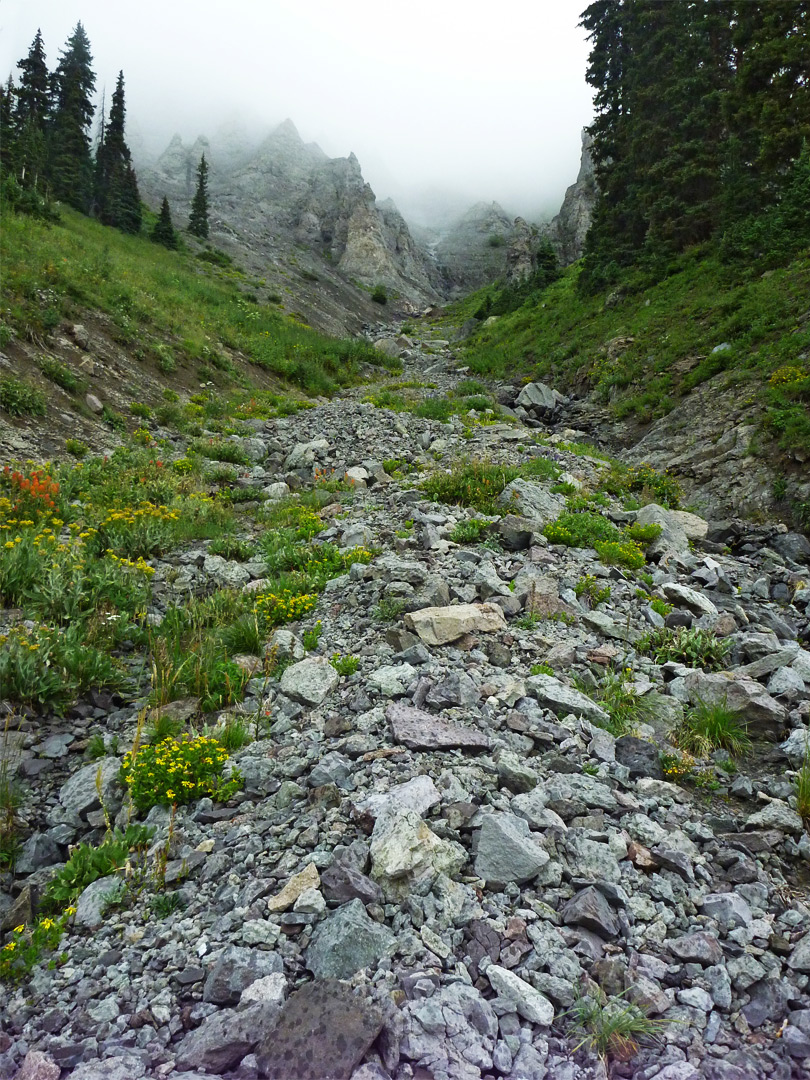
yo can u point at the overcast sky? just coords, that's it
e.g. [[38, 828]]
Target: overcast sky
[[483, 100]]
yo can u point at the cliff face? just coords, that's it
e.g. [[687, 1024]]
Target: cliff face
[[567, 231], [287, 202], [472, 251]]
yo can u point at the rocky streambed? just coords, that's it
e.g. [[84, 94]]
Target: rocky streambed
[[438, 858]]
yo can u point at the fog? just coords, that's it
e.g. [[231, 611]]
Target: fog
[[445, 103]]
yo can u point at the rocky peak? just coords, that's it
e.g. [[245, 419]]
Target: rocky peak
[[567, 231]]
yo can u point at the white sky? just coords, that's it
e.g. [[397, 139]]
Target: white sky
[[486, 100]]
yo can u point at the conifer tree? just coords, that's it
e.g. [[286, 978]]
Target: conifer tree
[[70, 163], [7, 96], [163, 232], [31, 115], [198, 220], [117, 200]]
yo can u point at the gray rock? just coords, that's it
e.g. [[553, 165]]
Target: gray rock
[[94, 900], [799, 959], [405, 850], [334, 769], [787, 682], [235, 970], [226, 1037], [323, 1030], [566, 792], [729, 909], [420, 730], [520, 996], [642, 758], [127, 1067], [80, 794], [700, 947], [590, 859], [441, 625], [507, 852], [776, 815], [764, 715], [310, 681], [562, 699], [38, 850], [454, 1026], [347, 941], [392, 680], [531, 500], [590, 909], [419, 795], [683, 596], [342, 882], [797, 745]]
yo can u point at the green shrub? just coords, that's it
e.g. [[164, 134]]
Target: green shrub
[[178, 771], [693, 647], [479, 483], [646, 481], [229, 547], [87, 864], [469, 532], [20, 398], [626, 709], [708, 727], [434, 408], [77, 448], [137, 408], [60, 374], [582, 530], [589, 587], [380, 295], [624, 553], [25, 948], [345, 665]]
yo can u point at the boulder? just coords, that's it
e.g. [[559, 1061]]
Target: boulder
[[310, 681], [507, 852], [347, 941], [420, 730], [405, 850], [764, 716], [441, 625], [532, 500], [92, 784], [561, 699]]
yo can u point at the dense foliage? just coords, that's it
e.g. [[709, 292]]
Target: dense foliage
[[702, 110]]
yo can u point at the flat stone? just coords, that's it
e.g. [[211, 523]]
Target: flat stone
[[590, 909], [323, 1030], [441, 625], [419, 795], [347, 941], [565, 792], [562, 700], [342, 882], [308, 878], [38, 1066], [310, 681], [420, 730], [507, 852], [392, 680], [521, 996], [799, 959]]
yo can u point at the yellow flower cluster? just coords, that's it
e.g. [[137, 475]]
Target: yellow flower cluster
[[133, 515], [138, 564], [276, 608]]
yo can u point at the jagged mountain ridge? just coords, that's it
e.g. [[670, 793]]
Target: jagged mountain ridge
[[286, 202]]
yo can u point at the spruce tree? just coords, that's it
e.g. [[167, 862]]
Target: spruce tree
[[198, 220], [31, 115], [163, 232], [117, 201], [70, 163], [7, 130]]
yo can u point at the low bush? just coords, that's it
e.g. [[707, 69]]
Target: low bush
[[707, 727], [19, 397], [88, 863], [693, 647], [178, 771]]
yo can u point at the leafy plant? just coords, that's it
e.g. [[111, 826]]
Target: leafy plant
[[707, 727], [626, 708], [469, 532], [589, 587], [230, 547], [21, 398], [87, 864], [311, 637], [234, 734], [541, 669], [693, 647], [801, 784], [77, 448], [19, 956], [60, 374], [661, 607], [388, 609], [345, 665], [479, 483], [165, 904]]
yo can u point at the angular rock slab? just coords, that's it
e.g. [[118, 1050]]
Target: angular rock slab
[[418, 794], [524, 999], [322, 1033], [225, 1037], [441, 625], [507, 852], [404, 849], [532, 500], [700, 947], [235, 970], [562, 699], [80, 794], [590, 909], [347, 941], [419, 730], [310, 681], [308, 878]]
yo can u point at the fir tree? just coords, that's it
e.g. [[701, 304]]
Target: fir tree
[[117, 200], [7, 96], [70, 163], [31, 115], [198, 220], [163, 232]]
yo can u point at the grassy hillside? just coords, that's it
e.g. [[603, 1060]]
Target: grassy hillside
[[648, 343], [167, 309]]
